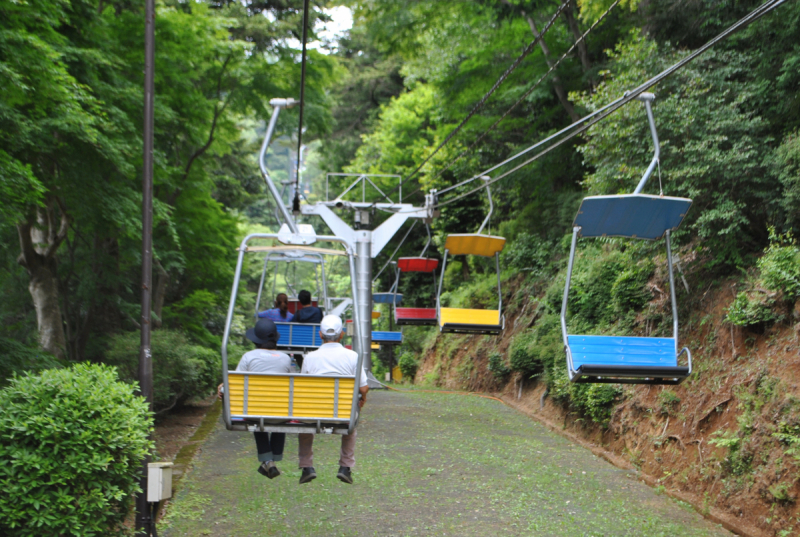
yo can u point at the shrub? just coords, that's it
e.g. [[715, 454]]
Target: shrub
[[629, 291], [71, 442], [180, 370], [529, 253], [408, 365], [538, 349], [668, 401], [17, 358], [780, 265], [497, 366], [751, 309]]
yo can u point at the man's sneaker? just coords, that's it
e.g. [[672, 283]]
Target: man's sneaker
[[269, 469], [308, 475], [345, 475]]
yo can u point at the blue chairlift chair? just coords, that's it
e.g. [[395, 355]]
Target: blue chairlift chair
[[624, 359]]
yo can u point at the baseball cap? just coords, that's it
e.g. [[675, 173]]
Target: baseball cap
[[331, 325], [263, 332]]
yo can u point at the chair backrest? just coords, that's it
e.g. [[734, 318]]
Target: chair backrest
[[293, 335], [290, 396]]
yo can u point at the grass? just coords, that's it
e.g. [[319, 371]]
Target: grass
[[427, 464]]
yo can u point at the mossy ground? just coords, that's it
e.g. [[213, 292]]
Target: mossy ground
[[427, 464]]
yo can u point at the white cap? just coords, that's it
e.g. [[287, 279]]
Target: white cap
[[331, 325]]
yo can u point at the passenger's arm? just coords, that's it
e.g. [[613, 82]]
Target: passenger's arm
[[363, 391]]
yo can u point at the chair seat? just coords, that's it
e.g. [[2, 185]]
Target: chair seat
[[387, 338], [470, 321], [474, 244], [415, 316], [637, 216], [387, 298], [622, 351], [298, 335], [417, 264]]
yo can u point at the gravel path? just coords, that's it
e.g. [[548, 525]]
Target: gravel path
[[427, 464]]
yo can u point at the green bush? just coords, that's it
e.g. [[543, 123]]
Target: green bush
[[408, 365], [780, 265], [17, 358], [751, 308], [630, 291], [497, 366], [592, 400], [71, 442], [530, 253], [180, 370], [538, 349]]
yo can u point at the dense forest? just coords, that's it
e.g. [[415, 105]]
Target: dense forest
[[381, 99]]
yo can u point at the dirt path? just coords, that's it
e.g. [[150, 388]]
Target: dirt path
[[427, 464]]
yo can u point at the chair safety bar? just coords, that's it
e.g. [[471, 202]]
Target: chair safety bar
[[353, 420]]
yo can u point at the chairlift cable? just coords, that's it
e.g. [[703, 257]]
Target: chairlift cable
[[588, 121], [479, 105], [414, 223], [296, 200], [522, 98]]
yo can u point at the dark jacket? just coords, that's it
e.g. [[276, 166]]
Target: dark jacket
[[309, 314]]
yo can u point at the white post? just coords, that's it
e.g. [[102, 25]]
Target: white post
[[364, 292]]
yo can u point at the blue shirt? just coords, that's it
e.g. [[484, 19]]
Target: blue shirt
[[275, 315]]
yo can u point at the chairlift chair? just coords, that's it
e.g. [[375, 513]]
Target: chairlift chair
[[420, 264], [289, 402], [290, 256], [625, 359], [464, 320]]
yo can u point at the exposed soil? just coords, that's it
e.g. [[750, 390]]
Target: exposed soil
[[176, 427], [745, 385]]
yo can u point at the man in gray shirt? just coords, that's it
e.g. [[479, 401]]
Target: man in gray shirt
[[265, 359]]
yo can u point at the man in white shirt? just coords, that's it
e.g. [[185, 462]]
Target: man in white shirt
[[265, 359], [332, 359]]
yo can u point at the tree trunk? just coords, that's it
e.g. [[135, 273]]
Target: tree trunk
[[583, 54], [39, 238], [559, 89], [43, 287]]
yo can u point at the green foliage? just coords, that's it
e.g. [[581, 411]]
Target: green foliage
[[789, 435], [780, 265], [181, 370], [596, 401], [629, 291], [738, 461], [529, 253], [497, 366], [538, 349], [195, 314], [408, 365], [751, 309], [17, 358], [72, 442], [668, 401], [779, 272], [781, 492]]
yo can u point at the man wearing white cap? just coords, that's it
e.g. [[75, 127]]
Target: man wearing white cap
[[331, 359]]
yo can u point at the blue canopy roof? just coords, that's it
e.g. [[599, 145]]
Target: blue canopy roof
[[638, 216]]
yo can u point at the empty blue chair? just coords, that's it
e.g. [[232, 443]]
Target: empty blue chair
[[387, 338], [624, 359]]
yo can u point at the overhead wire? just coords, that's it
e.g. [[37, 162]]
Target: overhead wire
[[588, 121], [479, 105], [296, 200], [526, 94]]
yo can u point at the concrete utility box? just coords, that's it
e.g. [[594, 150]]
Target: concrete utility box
[[159, 481]]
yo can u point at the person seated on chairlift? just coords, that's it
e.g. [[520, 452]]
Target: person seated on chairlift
[[265, 359], [307, 312], [331, 359], [280, 313]]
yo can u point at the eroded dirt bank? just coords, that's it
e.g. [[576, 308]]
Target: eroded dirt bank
[[722, 440]]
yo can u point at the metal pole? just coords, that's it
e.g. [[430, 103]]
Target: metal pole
[[143, 521], [364, 292], [278, 104]]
